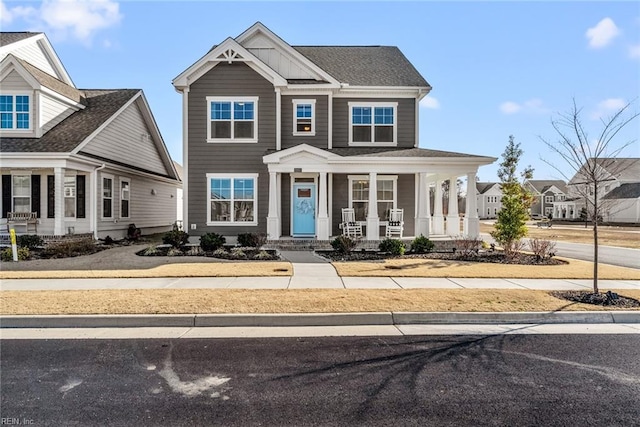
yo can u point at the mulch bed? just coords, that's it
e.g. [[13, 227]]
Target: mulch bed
[[608, 299], [246, 254], [495, 257]]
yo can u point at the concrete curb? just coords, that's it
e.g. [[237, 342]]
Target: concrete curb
[[315, 319]]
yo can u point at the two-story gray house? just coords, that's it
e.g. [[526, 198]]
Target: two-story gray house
[[279, 138]]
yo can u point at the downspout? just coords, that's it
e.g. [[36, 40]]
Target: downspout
[[94, 210]]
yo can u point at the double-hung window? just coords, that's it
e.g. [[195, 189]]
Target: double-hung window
[[107, 197], [373, 123], [70, 196], [125, 196], [15, 112], [21, 193], [359, 196], [548, 199], [232, 119], [304, 120], [232, 199]]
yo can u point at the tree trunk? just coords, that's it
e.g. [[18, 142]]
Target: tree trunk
[[595, 240]]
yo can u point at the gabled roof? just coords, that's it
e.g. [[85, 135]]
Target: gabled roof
[[50, 82], [365, 65], [624, 191], [483, 187], [72, 131], [543, 185], [622, 168], [7, 38]]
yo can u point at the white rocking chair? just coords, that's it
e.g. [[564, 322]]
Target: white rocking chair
[[350, 227], [395, 224]]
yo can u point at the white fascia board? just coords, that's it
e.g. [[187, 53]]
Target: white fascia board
[[286, 48], [16, 45], [317, 89], [277, 156], [210, 60], [11, 63], [379, 92], [427, 161], [53, 56], [53, 94], [126, 170], [106, 123]]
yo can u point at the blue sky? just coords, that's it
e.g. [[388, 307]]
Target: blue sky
[[497, 68]]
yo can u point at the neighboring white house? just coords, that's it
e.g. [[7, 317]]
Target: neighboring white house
[[82, 161], [489, 199], [179, 196]]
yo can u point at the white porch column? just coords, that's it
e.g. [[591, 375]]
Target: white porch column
[[323, 217], [58, 222], [438, 219], [273, 218], [471, 223], [373, 222], [424, 211], [453, 220]]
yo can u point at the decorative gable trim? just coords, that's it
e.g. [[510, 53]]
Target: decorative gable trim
[[299, 150], [11, 63], [228, 51]]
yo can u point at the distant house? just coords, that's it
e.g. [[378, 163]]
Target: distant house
[[179, 194], [546, 193], [278, 139], [618, 190], [489, 196], [80, 161]]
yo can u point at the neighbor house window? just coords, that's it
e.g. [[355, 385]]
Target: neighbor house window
[[232, 119], [372, 123], [548, 199], [107, 197], [14, 112], [125, 195], [70, 196], [304, 120], [359, 196], [21, 193], [232, 199], [492, 199]]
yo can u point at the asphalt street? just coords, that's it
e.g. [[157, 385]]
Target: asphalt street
[[524, 380], [624, 257]]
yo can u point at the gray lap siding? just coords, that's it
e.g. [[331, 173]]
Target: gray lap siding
[[231, 80]]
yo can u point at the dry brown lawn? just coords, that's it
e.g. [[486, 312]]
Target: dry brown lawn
[[415, 267], [625, 237], [195, 301]]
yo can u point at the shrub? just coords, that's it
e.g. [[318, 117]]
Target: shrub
[[511, 250], [151, 250], [108, 240], [252, 240], [133, 232], [343, 244], [238, 253], [174, 252], [262, 255], [70, 248], [422, 245], [220, 253], [31, 241], [542, 249], [392, 246], [23, 254], [467, 246], [212, 241], [175, 238]]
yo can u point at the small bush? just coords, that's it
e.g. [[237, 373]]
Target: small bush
[[212, 241], [467, 246], [108, 240], [175, 238], [252, 240], [23, 254], [513, 249], [31, 241], [392, 246], [70, 248], [151, 250], [262, 255], [238, 253], [422, 245], [133, 232], [220, 253], [174, 252], [542, 249], [343, 244]]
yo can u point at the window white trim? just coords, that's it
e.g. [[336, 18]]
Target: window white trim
[[13, 191], [548, 199], [373, 105], [103, 198], [232, 176], [73, 195], [393, 178], [297, 102], [232, 100], [14, 113], [122, 198]]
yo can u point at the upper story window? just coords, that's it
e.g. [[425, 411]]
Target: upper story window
[[548, 199], [14, 112], [232, 119], [304, 117], [492, 199], [373, 123]]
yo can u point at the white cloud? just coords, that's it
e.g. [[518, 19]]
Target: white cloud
[[430, 102], [602, 34], [510, 107], [531, 106], [607, 107], [634, 51], [77, 19]]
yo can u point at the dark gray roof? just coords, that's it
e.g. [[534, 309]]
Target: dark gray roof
[[69, 133], [395, 152], [365, 65], [625, 191], [47, 80], [542, 185], [623, 168], [483, 187], [7, 38]]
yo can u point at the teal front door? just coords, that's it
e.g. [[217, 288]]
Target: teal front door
[[304, 210]]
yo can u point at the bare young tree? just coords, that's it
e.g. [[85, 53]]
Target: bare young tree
[[592, 163]]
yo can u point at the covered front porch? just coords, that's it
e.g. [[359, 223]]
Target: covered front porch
[[309, 187]]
